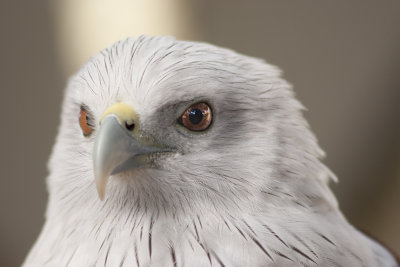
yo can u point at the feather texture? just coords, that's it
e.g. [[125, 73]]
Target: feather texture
[[250, 191]]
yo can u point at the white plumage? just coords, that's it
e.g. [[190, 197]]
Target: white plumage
[[250, 190]]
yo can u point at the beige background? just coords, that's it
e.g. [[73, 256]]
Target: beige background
[[343, 58]]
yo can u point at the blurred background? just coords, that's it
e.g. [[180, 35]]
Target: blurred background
[[343, 58]]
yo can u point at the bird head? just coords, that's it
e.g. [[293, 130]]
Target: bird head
[[172, 125]]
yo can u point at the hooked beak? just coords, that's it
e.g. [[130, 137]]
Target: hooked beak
[[118, 146]]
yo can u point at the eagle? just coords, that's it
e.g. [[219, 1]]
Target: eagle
[[178, 153]]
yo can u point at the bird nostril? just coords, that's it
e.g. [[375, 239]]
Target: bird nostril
[[130, 126]]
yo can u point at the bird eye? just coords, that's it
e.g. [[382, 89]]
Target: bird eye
[[197, 117], [84, 122]]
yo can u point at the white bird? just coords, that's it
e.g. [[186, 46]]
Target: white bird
[[174, 153]]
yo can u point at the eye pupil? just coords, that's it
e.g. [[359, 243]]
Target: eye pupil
[[195, 116], [198, 117]]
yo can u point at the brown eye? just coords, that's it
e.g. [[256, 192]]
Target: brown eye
[[87, 129], [197, 117]]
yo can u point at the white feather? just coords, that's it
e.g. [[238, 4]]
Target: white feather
[[251, 191]]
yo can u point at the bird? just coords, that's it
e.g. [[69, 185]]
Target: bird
[[182, 153]]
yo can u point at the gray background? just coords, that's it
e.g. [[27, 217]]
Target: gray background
[[343, 58]]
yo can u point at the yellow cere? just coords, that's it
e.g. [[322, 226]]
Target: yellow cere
[[124, 113]]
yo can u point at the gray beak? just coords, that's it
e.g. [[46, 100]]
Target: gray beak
[[117, 149]]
